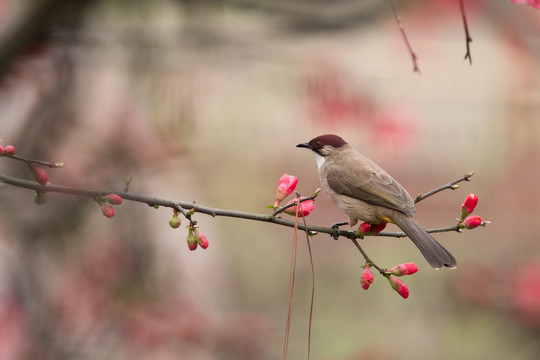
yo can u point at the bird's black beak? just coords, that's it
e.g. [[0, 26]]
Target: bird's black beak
[[303, 145]]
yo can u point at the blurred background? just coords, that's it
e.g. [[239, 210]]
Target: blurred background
[[205, 101]]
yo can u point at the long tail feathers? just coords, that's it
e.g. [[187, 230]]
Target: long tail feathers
[[436, 255]]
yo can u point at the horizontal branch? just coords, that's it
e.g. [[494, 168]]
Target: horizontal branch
[[182, 206]]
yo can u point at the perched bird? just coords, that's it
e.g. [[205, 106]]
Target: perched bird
[[365, 192]]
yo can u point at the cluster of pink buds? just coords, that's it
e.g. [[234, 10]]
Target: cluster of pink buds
[[286, 185], [106, 201], [399, 270], [366, 228], [468, 221], [196, 238], [7, 151]]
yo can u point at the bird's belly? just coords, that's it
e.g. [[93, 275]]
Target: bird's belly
[[357, 210]]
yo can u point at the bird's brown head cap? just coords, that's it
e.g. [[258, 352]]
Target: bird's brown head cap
[[321, 143]]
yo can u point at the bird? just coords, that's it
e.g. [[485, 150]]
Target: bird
[[366, 192]]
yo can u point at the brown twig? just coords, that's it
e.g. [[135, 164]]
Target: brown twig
[[190, 208], [468, 38], [451, 185], [414, 57]]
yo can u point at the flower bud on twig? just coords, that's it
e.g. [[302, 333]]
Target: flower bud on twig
[[175, 221], [202, 240], [367, 277], [403, 269], [113, 199], [107, 210], [468, 206], [9, 150], [191, 240], [286, 185], [472, 222], [399, 286], [305, 207], [40, 175]]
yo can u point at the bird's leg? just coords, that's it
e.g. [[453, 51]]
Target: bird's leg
[[336, 227]]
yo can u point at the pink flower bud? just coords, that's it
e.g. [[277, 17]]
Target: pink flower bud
[[286, 185], [1, 150], [191, 240], [305, 207], [377, 228], [107, 210], [473, 222], [364, 228], [174, 222], [468, 205], [367, 278], [201, 239], [40, 175], [9, 150], [113, 199], [399, 286], [403, 269]]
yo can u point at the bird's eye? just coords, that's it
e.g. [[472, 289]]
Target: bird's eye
[[318, 144]]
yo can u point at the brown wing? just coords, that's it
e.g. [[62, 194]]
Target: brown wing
[[372, 185]]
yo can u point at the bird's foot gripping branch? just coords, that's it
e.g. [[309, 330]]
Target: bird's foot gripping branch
[[299, 207]]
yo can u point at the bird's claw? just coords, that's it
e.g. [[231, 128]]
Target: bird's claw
[[336, 228]]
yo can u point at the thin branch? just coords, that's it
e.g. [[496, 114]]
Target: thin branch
[[39, 162], [436, 230], [468, 38], [189, 208], [414, 57], [451, 185]]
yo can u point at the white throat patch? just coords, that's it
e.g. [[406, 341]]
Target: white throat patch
[[320, 160]]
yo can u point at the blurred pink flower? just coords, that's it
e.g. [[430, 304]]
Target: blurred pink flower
[[305, 207], [534, 3], [525, 297]]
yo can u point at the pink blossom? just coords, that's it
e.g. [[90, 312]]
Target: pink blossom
[[9, 150], [40, 175], [286, 185], [472, 222], [367, 278], [370, 229], [534, 3], [305, 207], [399, 286], [107, 210], [113, 199], [526, 293], [201, 239], [468, 205], [364, 228], [403, 269]]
